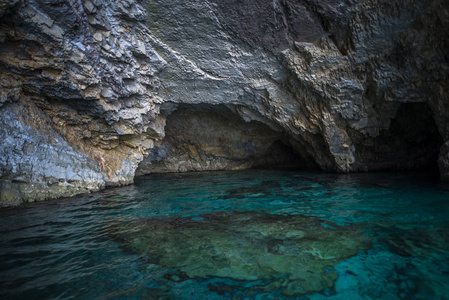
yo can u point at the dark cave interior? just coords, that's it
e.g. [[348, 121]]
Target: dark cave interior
[[412, 142], [213, 137], [201, 137]]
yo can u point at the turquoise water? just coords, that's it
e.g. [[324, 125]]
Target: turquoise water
[[64, 249]]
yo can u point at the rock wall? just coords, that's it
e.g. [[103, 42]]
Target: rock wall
[[331, 74], [78, 96], [207, 137], [86, 87]]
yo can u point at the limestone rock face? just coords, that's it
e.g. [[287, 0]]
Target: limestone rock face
[[78, 96], [44, 165], [86, 87], [331, 74], [205, 137]]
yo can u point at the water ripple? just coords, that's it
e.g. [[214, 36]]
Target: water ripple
[[63, 249]]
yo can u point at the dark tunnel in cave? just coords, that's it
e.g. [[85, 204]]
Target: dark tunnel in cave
[[411, 143], [212, 137]]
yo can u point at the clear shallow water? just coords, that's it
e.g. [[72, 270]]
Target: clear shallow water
[[64, 249]]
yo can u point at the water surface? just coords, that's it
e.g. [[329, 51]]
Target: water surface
[[70, 249]]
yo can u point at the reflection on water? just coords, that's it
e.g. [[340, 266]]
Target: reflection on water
[[250, 234]]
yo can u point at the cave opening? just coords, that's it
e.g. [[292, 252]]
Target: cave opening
[[411, 143], [206, 137]]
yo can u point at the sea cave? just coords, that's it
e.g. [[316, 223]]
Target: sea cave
[[251, 149]]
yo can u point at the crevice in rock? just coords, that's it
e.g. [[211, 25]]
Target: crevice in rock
[[207, 137], [412, 142]]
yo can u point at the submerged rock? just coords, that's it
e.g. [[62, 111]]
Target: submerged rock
[[292, 253], [430, 243]]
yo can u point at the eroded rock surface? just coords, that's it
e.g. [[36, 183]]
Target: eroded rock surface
[[331, 74], [292, 253], [89, 85], [84, 74], [204, 137]]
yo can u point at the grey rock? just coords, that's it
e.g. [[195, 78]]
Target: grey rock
[[332, 79], [212, 137], [349, 85], [44, 165], [96, 85]]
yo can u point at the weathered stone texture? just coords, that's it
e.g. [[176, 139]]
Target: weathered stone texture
[[44, 165], [331, 76], [87, 69], [205, 138]]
